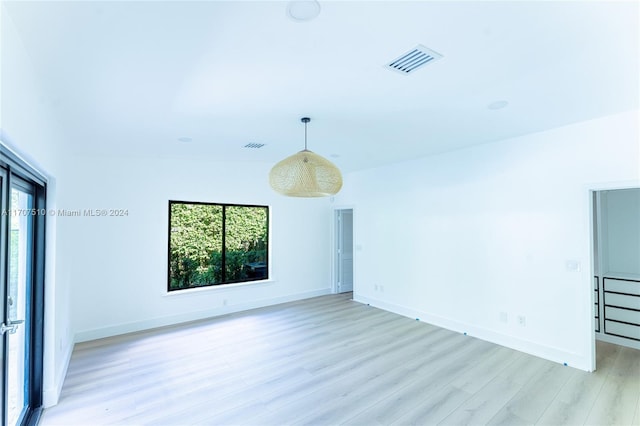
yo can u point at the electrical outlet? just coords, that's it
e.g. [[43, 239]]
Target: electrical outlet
[[522, 320], [224, 302], [504, 317], [375, 287]]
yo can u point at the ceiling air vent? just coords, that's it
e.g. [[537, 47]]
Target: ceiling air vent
[[254, 145], [413, 59]]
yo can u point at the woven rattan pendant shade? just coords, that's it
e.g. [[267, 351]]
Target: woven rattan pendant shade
[[305, 174]]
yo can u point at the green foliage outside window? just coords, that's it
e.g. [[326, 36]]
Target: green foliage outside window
[[211, 244]]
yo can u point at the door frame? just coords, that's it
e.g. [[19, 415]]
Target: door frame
[[591, 190], [598, 261], [335, 270], [15, 168]]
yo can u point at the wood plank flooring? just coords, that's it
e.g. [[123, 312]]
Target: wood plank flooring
[[332, 361]]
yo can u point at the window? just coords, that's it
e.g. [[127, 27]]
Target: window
[[212, 244]]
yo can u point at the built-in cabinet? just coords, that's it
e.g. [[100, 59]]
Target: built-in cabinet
[[616, 251], [616, 254]]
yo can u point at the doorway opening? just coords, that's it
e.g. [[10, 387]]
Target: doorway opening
[[615, 238], [343, 276]]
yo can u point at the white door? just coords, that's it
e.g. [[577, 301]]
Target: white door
[[344, 250]]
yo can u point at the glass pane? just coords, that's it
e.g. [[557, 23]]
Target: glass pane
[[246, 243], [3, 232], [195, 254], [19, 279]]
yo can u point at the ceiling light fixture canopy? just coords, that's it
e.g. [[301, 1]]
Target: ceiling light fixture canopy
[[305, 174]]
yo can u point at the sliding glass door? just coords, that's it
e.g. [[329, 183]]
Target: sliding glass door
[[20, 264], [3, 297], [21, 296]]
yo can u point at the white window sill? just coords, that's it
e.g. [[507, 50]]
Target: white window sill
[[218, 288]]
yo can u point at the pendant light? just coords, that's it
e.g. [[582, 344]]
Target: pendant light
[[305, 174]]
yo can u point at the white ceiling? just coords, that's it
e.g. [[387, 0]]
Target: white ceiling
[[132, 78]]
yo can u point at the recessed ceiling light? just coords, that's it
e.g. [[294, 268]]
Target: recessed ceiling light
[[254, 145], [498, 105], [184, 139], [335, 156], [303, 10]]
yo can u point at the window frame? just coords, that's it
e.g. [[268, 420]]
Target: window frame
[[224, 248]]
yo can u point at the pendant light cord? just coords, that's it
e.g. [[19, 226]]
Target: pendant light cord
[[305, 120]]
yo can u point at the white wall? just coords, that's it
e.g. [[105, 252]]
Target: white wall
[[621, 210], [119, 273], [106, 276], [28, 127], [456, 239]]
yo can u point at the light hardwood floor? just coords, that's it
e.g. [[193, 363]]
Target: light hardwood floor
[[330, 361]]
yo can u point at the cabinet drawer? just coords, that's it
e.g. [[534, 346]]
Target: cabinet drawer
[[622, 286], [622, 330], [624, 315], [622, 301]]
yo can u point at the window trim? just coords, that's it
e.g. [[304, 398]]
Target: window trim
[[19, 167], [225, 283]]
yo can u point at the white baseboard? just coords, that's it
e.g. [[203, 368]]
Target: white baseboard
[[533, 348], [51, 395], [136, 326]]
